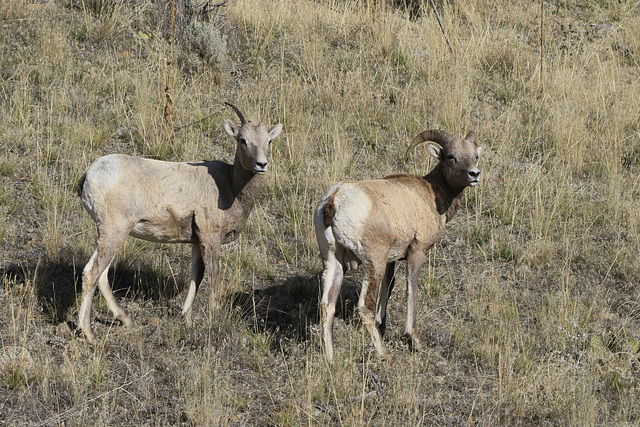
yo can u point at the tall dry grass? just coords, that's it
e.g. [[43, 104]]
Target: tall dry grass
[[529, 304]]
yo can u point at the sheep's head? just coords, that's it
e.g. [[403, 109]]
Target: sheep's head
[[253, 142], [458, 157]]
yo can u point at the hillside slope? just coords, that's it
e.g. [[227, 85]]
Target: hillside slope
[[529, 306]]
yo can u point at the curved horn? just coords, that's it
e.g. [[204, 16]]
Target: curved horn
[[238, 112], [471, 136], [439, 136]]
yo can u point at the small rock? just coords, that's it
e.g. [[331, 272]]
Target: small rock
[[63, 330]]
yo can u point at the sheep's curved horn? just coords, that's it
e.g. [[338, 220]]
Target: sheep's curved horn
[[238, 112], [435, 135]]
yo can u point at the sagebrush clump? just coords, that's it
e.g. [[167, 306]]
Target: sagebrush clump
[[205, 46]]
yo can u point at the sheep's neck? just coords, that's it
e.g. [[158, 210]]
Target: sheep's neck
[[245, 186], [448, 199], [242, 192], [244, 182]]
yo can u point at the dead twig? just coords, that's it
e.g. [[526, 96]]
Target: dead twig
[[441, 27]]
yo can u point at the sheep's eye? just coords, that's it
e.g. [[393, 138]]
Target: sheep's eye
[[451, 158], [243, 141]]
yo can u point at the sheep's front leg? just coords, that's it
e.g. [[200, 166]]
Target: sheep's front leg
[[197, 273], [415, 260], [211, 256], [385, 292], [112, 303], [367, 304]]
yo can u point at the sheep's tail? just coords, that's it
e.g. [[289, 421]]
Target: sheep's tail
[[329, 211], [79, 186]]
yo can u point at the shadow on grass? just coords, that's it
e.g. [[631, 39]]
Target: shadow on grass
[[59, 283], [287, 309]]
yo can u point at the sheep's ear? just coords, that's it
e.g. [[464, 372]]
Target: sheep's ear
[[230, 128], [434, 149], [479, 151], [471, 136], [275, 131]]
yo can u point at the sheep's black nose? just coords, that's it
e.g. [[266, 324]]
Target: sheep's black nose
[[261, 165], [474, 174]]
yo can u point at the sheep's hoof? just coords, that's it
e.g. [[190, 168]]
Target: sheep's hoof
[[382, 328], [329, 358], [91, 337], [125, 320], [383, 352], [413, 341], [188, 318], [387, 356]]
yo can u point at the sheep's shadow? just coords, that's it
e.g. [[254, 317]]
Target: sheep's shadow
[[286, 308], [289, 308], [57, 284], [54, 283]]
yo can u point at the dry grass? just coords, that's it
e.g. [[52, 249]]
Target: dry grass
[[530, 305]]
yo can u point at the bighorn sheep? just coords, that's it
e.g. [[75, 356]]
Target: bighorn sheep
[[205, 203], [378, 222]]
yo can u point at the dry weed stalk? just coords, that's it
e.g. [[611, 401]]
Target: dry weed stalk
[[541, 75], [435, 10], [167, 89]]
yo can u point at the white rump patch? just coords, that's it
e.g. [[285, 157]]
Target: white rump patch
[[353, 208]]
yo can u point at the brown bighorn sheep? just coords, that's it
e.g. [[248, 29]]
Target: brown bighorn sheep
[[205, 203], [378, 222]]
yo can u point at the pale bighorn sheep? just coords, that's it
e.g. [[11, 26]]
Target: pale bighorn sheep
[[203, 203], [378, 222]]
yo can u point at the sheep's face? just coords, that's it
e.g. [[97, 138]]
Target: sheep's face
[[459, 159], [253, 144]]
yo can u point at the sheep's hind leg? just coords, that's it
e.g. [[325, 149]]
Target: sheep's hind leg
[[367, 305], [94, 275], [88, 289], [112, 303], [331, 284], [385, 292], [197, 273]]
